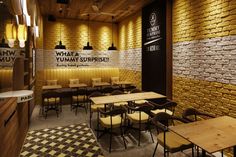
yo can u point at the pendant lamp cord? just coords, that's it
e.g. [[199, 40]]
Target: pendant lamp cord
[[112, 28], [88, 28], [60, 26], [60, 31]]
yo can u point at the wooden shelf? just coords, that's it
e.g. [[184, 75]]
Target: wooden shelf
[[32, 81]]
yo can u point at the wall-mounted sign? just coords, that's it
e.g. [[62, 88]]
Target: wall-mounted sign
[[73, 59], [152, 31], [154, 47], [8, 56]]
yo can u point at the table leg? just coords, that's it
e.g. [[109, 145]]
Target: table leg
[[203, 153], [234, 151]]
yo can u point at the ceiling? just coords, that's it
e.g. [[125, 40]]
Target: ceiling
[[102, 10]]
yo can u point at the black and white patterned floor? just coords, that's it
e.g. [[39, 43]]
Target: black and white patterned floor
[[73, 140]]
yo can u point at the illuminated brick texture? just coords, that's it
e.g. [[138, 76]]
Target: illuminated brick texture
[[203, 19], [204, 56], [130, 43], [74, 34]]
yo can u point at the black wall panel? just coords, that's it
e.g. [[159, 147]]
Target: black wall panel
[[154, 47]]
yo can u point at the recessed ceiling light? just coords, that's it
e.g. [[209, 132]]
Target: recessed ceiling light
[[1, 2]]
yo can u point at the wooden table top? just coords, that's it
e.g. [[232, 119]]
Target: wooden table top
[[123, 83], [80, 85], [101, 84], [126, 97], [212, 135], [51, 87]]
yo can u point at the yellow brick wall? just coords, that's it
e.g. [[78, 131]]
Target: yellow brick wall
[[201, 19], [212, 97], [130, 32], [130, 37], [74, 34], [132, 76]]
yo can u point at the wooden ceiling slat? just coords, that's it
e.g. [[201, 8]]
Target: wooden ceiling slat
[[75, 8]]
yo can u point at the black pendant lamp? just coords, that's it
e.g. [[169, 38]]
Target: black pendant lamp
[[60, 46], [3, 44], [88, 47], [112, 47]]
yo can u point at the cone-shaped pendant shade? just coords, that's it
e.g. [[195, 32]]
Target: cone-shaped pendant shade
[[112, 47], [3, 44], [22, 35], [60, 46], [11, 34], [87, 47]]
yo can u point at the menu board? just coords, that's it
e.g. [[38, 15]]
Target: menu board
[[154, 47]]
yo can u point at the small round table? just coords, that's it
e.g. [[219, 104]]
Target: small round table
[[21, 95]]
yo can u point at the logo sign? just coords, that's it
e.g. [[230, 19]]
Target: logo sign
[[8, 56], [24, 98], [66, 58], [153, 33], [152, 19]]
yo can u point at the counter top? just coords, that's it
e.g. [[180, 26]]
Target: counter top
[[21, 95]]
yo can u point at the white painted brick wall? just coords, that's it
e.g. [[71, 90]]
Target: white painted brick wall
[[39, 59], [209, 59], [128, 59], [131, 59]]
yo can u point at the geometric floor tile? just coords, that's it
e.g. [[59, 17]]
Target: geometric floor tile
[[68, 141]]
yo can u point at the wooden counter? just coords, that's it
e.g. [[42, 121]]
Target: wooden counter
[[14, 125]]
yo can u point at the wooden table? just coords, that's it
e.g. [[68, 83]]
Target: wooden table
[[101, 84], [126, 97], [122, 83], [49, 87], [211, 135], [80, 85]]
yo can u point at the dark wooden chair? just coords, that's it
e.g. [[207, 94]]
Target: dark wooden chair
[[192, 115], [117, 92], [79, 99], [169, 140], [51, 101], [129, 88], [168, 107], [110, 120], [138, 102], [107, 90], [94, 107], [140, 115]]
